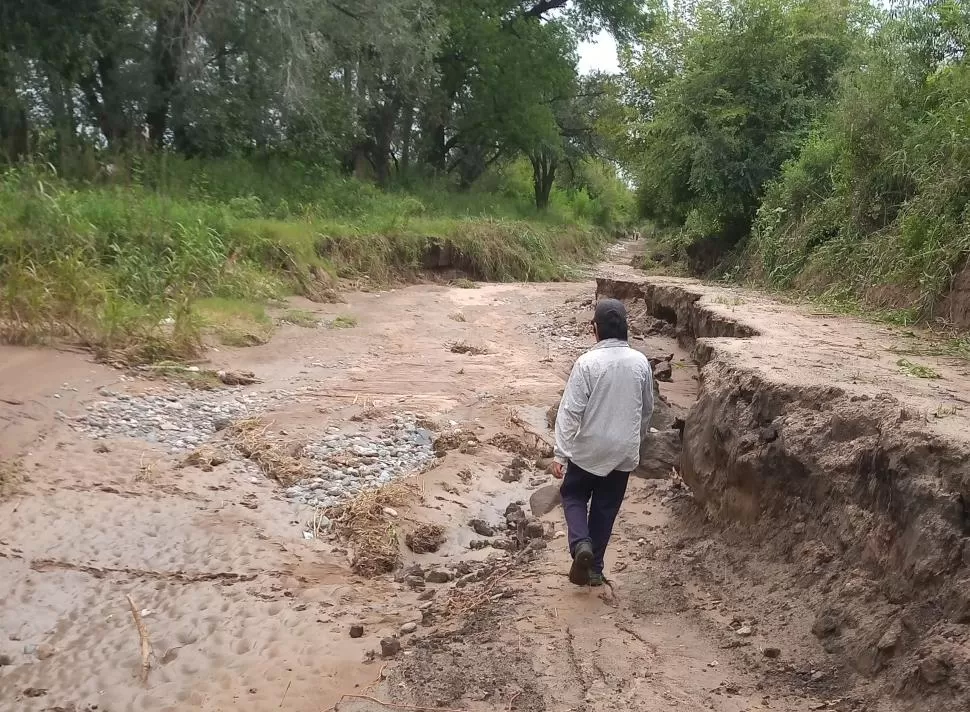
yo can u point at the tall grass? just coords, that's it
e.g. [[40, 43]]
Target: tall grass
[[876, 207], [121, 265]]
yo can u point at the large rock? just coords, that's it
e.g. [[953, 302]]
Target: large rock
[[544, 500], [659, 454]]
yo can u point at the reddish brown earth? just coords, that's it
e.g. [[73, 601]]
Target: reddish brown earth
[[719, 582]]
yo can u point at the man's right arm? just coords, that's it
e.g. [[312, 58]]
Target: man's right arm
[[571, 409]]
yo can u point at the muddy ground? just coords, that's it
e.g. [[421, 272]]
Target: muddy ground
[[732, 592]]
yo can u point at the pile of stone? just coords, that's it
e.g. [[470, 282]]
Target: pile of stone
[[344, 464], [178, 419]]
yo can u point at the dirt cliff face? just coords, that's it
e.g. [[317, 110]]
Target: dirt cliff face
[[811, 441]]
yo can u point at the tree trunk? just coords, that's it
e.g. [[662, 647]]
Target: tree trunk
[[407, 135], [544, 164], [14, 133], [62, 115], [104, 100], [172, 32]]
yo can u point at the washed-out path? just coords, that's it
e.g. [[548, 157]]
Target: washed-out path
[[248, 606]]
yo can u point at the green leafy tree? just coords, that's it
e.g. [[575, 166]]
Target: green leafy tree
[[724, 94]]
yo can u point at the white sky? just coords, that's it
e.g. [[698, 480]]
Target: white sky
[[598, 54]]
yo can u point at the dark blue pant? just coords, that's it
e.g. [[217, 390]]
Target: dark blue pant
[[591, 504]]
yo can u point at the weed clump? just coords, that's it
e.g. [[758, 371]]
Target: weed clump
[[426, 538], [368, 524], [278, 461], [343, 322], [143, 272]]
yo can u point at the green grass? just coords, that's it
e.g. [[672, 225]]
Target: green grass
[[301, 317], [343, 322], [917, 370], [141, 272], [463, 283], [235, 322]]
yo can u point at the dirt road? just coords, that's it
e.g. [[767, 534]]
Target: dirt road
[[248, 602]]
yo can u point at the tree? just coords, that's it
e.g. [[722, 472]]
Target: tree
[[724, 96]]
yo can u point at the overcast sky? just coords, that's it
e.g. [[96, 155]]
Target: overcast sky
[[600, 54]]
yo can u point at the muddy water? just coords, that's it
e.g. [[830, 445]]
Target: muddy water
[[243, 611]]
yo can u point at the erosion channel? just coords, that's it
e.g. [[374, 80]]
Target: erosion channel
[[371, 525]]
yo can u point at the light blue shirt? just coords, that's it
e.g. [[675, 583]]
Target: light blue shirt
[[605, 409]]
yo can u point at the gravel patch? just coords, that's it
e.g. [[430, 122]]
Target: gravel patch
[[178, 419], [345, 464], [342, 464]]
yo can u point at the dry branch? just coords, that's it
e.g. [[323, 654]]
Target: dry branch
[[146, 645]]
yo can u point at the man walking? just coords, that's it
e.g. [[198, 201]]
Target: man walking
[[604, 414]]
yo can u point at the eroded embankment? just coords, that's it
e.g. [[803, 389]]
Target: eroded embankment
[[830, 462]]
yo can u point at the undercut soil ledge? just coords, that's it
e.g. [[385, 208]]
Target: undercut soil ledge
[[813, 440]]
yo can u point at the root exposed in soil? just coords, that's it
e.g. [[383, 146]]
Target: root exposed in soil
[[368, 523], [462, 347], [517, 446], [426, 538]]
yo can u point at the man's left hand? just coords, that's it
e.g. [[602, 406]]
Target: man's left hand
[[558, 470]]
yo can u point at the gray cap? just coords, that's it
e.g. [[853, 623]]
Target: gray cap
[[609, 313]]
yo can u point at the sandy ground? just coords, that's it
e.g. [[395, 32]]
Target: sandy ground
[[243, 612]]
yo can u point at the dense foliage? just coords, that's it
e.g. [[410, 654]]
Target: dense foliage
[[167, 166], [819, 144], [386, 89]]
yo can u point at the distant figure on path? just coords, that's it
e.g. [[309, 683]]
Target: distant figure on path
[[604, 415]]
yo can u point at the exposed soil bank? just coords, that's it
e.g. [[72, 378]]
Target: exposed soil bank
[[812, 441]]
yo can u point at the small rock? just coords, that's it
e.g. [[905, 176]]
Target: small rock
[[514, 516], [663, 371], [45, 651], [818, 676], [438, 576], [744, 631], [409, 627], [771, 652], [890, 639], [357, 631], [414, 582], [220, 424], [534, 529], [35, 692], [102, 448], [426, 595], [390, 647], [827, 623], [5, 660], [467, 579], [934, 670], [481, 527]]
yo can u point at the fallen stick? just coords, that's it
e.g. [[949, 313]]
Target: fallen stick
[[392, 705], [146, 645]]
